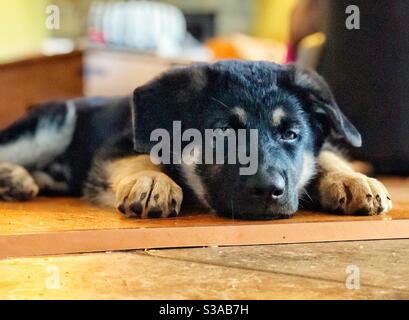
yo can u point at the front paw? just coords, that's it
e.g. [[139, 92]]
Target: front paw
[[149, 194], [353, 193], [16, 184]]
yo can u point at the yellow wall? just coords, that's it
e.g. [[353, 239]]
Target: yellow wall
[[22, 24], [272, 18], [22, 27]]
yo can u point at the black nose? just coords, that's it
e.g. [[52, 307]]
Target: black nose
[[274, 187], [277, 186]]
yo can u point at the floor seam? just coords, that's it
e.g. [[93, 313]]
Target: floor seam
[[153, 255]]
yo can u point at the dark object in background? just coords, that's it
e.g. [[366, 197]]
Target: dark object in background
[[201, 25], [368, 70]]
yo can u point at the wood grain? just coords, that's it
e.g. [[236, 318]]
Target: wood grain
[[68, 225], [296, 271]]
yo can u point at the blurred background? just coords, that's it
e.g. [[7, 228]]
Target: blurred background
[[59, 49]]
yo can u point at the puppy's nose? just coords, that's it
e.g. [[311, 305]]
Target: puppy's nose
[[274, 187], [277, 186]]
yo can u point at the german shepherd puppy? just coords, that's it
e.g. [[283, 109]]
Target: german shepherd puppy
[[101, 147]]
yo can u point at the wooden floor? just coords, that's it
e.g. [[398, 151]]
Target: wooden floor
[[67, 225], [284, 271], [297, 271]]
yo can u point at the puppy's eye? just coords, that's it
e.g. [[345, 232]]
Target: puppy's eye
[[289, 135]]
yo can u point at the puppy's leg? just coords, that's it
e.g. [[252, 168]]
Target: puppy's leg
[[343, 190], [135, 186], [16, 184], [33, 143]]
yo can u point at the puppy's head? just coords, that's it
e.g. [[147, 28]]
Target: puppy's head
[[278, 118]]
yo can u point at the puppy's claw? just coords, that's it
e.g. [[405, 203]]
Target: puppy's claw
[[155, 212], [353, 193], [149, 194], [121, 208], [136, 208]]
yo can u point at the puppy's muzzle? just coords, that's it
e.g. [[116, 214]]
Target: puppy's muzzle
[[265, 196]]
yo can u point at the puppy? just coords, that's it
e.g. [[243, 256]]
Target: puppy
[[102, 148]]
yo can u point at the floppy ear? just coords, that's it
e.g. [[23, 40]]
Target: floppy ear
[[313, 88], [176, 95]]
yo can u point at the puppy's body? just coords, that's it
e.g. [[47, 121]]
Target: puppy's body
[[58, 141], [91, 147]]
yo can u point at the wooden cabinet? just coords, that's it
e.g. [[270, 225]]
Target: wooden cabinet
[[38, 79], [112, 73]]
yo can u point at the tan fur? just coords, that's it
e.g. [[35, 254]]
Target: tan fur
[[122, 168], [344, 190], [278, 115], [137, 183], [241, 114], [308, 171]]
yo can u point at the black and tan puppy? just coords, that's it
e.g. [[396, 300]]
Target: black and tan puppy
[[100, 148]]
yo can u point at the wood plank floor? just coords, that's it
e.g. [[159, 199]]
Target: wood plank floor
[[285, 271], [296, 271], [56, 226]]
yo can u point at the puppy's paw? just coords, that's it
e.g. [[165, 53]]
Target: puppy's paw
[[353, 193], [149, 194], [16, 184]]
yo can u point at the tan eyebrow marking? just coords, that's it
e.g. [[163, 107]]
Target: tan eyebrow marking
[[240, 113], [278, 115]]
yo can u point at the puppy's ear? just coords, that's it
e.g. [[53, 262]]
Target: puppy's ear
[[315, 91], [177, 95]]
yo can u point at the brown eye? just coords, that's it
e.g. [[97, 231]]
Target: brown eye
[[289, 135]]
